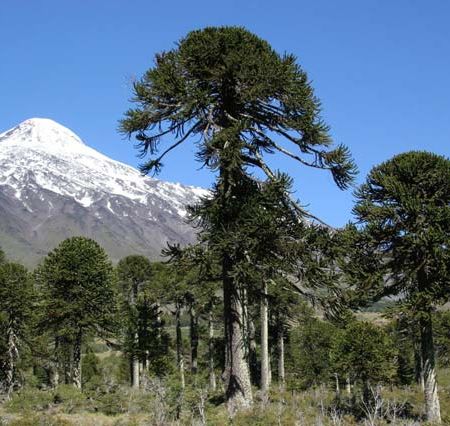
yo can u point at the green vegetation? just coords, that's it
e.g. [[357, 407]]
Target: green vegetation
[[238, 97], [270, 300], [76, 281], [404, 208]]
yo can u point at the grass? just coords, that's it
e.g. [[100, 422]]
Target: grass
[[157, 406]]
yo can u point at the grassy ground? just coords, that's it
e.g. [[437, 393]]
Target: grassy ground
[[157, 406]]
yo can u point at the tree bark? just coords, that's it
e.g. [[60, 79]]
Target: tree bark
[[238, 390], [135, 370], [432, 406], [13, 354], [338, 389], [265, 360], [348, 386], [158, 319], [281, 372], [212, 373], [252, 357], [418, 361], [76, 370], [194, 339], [180, 359], [135, 365]]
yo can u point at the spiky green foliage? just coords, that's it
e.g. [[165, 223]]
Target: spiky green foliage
[[238, 97], [16, 294], [17, 304], [404, 208], [141, 294], [77, 282], [133, 272], [364, 352], [2, 256], [308, 356], [262, 237], [442, 337], [234, 93]]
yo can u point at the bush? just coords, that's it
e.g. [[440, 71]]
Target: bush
[[70, 399], [40, 420], [29, 399], [307, 355]]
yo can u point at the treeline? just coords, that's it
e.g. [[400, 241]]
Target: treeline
[[164, 320]]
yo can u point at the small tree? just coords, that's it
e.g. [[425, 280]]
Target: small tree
[[404, 210], [365, 353], [77, 282], [308, 355], [17, 302]]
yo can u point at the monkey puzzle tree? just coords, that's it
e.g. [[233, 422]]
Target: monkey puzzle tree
[[241, 100], [365, 353], [404, 209], [78, 296], [133, 272], [16, 312]]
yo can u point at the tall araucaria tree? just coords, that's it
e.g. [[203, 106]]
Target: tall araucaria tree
[[239, 100], [17, 302], [77, 280], [133, 272], [404, 210]]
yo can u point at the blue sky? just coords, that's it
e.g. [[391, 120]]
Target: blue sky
[[380, 67]]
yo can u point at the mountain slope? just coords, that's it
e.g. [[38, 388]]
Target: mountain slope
[[53, 186]]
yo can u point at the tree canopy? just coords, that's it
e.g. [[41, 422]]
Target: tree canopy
[[229, 88], [77, 278], [404, 207]]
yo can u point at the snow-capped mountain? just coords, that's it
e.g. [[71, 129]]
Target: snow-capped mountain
[[52, 186]]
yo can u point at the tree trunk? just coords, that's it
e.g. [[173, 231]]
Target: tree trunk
[[281, 372], [158, 319], [252, 357], [212, 373], [76, 370], [238, 390], [13, 354], [367, 393], [54, 366], [338, 389], [135, 368], [135, 365], [194, 340], [180, 359], [265, 360], [432, 406], [348, 386], [53, 376], [418, 361]]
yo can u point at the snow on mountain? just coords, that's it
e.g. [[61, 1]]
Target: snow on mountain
[[53, 151], [47, 173]]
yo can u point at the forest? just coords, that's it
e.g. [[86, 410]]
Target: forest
[[272, 317]]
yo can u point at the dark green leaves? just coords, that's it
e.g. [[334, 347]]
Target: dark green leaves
[[228, 88], [404, 207], [77, 282]]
